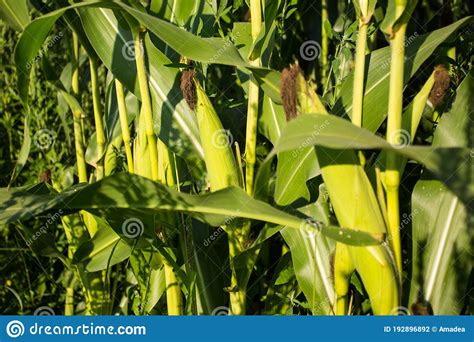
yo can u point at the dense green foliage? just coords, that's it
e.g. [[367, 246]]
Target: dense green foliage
[[128, 131]]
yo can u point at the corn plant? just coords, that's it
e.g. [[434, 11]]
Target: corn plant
[[351, 194]]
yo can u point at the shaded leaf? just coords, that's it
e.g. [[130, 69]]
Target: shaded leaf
[[126, 191], [442, 258]]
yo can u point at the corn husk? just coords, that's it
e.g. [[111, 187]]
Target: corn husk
[[355, 205]]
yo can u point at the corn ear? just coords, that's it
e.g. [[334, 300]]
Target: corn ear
[[375, 266], [223, 171], [166, 165], [356, 207], [220, 161], [343, 269], [346, 181]]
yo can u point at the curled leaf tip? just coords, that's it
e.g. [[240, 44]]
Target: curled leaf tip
[[188, 88], [289, 89]]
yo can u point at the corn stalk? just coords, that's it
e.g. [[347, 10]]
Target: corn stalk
[[343, 264], [167, 176], [80, 162], [173, 291], [95, 283], [122, 108], [98, 120], [253, 102], [397, 19], [324, 41], [146, 108], [365, 11]]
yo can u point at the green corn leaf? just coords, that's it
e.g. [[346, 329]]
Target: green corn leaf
[[272, 119], [15, 13], [293, 170], [124, 191], [419, 48], [104, 250], [206, 50], [311, 255], [148, 269], [336, 133], [442, 258], [398, 11], [24, 150], [210, 258], [114, 45], [283, 288]]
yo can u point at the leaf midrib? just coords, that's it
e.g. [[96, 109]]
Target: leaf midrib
[[433, 273], [13, 14]]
